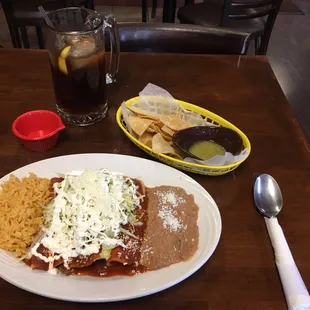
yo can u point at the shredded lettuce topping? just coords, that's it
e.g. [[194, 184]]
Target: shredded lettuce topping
[[88, 213]]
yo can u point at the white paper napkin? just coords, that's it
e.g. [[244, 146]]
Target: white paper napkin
[[296, 293]]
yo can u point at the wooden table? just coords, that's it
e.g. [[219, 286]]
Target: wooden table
[[241, 274]]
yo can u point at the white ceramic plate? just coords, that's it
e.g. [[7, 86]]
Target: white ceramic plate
[[89, 289]]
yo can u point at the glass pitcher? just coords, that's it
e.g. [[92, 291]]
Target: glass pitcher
[[76, 45]]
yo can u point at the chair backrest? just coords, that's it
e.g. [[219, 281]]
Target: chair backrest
[[21, 14], [249, 9], [243, 9], [185, 39]]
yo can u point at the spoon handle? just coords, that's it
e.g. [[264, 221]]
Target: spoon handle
[[296, 293]]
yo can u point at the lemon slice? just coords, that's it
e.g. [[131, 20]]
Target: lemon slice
[[62, 60]]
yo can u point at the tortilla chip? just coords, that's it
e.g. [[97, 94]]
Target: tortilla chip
[[167, 131], [174, 155], [139, 125], [150, 129], [126, 112], [166, 137], [140, 112], [155, 128], [146, 117], [174, 122], [146, 138], [161, 146], [177, 152]]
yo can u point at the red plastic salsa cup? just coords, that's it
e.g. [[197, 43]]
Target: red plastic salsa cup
[[38, 130]]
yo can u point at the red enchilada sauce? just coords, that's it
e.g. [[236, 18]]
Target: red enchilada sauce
[[122, 262], [102, 269]]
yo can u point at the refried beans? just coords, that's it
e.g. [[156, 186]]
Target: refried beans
[[172, 233]]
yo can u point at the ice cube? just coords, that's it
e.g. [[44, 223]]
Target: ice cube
[[72, 39], [83, 48], [59, 42], [92, 22]]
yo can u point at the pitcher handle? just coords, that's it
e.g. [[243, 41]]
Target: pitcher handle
[[111, 25]]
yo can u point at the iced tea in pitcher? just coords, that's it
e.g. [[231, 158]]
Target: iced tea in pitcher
[[77, 59]]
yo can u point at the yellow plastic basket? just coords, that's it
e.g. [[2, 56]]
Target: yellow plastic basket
[[181, 164]]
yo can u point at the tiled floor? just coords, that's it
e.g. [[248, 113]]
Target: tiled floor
[[289, 55], [289, 52]]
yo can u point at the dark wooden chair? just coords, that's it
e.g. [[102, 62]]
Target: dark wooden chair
[[169, 9], [172, 38], [145, 10], [23, 14], [254, 16]]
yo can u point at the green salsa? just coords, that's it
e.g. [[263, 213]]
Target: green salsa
[[206, 149]]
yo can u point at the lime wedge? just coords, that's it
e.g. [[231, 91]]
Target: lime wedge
[[62, 59]]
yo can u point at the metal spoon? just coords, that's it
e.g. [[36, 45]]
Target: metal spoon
[[268, 200]]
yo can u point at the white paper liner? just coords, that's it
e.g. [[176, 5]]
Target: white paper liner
[[220, 160], [151, 100], [126, 113]]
